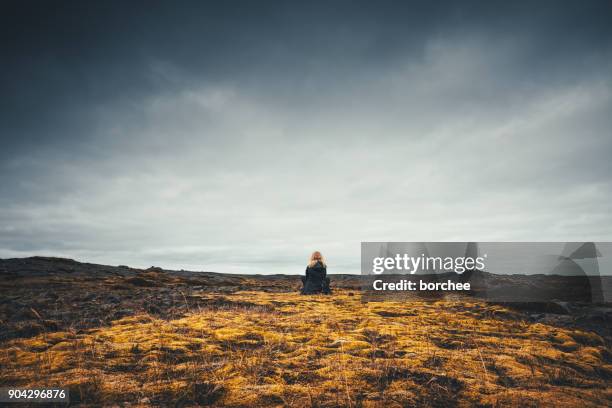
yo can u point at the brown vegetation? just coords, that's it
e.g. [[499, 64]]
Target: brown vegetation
[[265, 348]]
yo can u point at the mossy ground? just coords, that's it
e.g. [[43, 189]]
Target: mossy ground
[[262, 349]]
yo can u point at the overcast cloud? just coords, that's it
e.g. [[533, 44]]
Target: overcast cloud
[[240, 137]]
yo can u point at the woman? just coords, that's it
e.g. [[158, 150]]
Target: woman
[[316, 280]]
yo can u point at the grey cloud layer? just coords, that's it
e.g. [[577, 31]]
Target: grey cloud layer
[[239, 139]]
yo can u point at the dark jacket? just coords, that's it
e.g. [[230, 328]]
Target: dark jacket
[[316, 280]]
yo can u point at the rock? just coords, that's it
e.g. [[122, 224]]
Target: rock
[[599, 314], [538, 307], [113, 299], [154, 309], [122, 313], [555, 319], [536, 317], [138, 281], [565, 306], [88, 297], [91, 321]]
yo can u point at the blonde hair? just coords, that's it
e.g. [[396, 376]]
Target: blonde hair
[[316, 257]]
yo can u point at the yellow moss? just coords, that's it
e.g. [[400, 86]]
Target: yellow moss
[[561, 337], [59, 336], [568, 346], [36, 344], [273, 337], [63, 346], [351, 345], [590, 355], [317, 351]]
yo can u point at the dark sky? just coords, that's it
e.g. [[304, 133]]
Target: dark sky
[[240, 136]]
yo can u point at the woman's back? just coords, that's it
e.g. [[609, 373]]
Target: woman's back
[[316, 280], [318, 270]]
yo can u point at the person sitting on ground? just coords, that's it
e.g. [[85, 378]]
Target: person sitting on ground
[[316, 280]]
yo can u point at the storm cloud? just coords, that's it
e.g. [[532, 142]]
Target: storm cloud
[[240, 136]]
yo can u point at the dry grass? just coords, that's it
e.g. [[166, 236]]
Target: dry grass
[[282, 349]]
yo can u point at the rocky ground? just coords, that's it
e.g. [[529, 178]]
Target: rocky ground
[[124, 336], [41, 294]]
